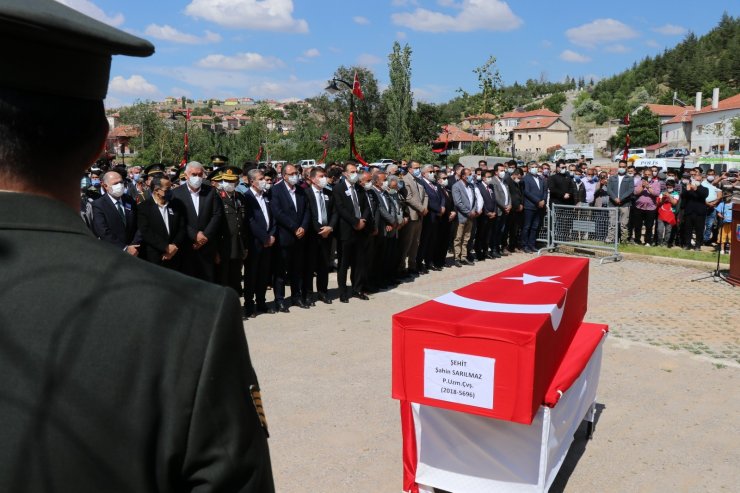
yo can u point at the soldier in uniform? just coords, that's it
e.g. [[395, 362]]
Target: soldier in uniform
[[218, 162], [156, 169], [233, 237], [103, 387]]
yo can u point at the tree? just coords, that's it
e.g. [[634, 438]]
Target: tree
[[398, 97], [426, 121], [489, 81], [644, 130]]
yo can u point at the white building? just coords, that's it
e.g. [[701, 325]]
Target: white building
[[712, 127]]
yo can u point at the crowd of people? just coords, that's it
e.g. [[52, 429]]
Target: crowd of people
[[257, 227]]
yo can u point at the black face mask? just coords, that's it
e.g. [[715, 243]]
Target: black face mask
[[168, 195]]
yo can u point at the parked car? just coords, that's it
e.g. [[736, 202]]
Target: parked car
[[382, 163], [307, 163], [676, 152]]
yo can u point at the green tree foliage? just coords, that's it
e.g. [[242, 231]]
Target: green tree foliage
[[398, 97], [695, 64], [644, 130]]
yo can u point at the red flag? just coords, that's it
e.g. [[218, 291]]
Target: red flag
[[625, 155], [356, 89], [325, 140], [352, 139], [627, 119], [259, 155]]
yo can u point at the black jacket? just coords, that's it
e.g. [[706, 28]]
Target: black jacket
[[118, 375], [154, 236], [560, 184], [331, 217], [694, 201], [108, 225], [207, 219], [346, 211]]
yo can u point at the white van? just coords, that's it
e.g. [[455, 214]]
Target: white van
[[640, 152], [307, 163]]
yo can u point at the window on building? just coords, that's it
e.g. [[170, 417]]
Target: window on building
[[529, 137], [519, 136], [539, 136]]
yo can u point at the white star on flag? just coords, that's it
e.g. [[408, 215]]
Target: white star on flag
[[530, 279]]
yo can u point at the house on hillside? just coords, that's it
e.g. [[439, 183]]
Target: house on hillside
[[705, 130], [665, 112], [533, 136], [507, 122], [454, 140]]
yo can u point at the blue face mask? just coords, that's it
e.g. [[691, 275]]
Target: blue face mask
[[136, 177], [471, 179], [416, 173], [95, 182], [578, 179]]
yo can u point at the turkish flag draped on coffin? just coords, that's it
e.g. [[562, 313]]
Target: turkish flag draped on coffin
[[493, 347]]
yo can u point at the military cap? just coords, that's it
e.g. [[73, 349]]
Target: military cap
[[214, 175], [42, 37], [154, 169], [219, 160], [230, 173]]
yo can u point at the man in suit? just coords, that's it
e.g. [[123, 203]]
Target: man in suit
[[534, 192], [486, 220], [561, 186], [288, 207], [162, 227], [114, 216], [430, 222], [621, 188], [143, 398], [354, 216], [203, 214], [516, 216], [366, 245], [379, 273], [417, 202], [466, 207], [323, 222], [503, 209], [446, 221], [261, 237], [232, 241]]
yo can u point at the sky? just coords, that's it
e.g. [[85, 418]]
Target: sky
[[288, 49]]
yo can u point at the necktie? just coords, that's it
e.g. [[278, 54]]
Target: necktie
[[355, 202], [120, 212], [322, 208]]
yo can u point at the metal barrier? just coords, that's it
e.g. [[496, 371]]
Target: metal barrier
[[585, 229]]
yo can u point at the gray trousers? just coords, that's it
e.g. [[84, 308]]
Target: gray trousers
[[624, 220], [409, 239]]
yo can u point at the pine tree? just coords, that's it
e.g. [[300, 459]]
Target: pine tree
[[398, 96]]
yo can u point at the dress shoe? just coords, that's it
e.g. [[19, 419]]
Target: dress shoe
[[249, 312], [435, 268], [300, 303], [361, 296], [343, 298], [283, 308], [324, 298], [457, 263], [503, 253], [495, 255], [424, 271]]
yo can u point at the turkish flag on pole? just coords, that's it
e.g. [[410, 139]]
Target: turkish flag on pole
[[627, 119], [356, 89]]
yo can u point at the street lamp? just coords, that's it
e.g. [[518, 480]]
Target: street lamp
[[186, 153], [333, 88]]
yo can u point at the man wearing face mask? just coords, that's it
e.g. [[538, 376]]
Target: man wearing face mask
[[162, 226], [261, 234], [487, 219], [465, 199], [561, 185], [288, 207], [323, 222], [114, 215], [714, 197], [203, 214], [232, 237], [354, 216], [621, 188], [516, 216], [446, 221], [693, 199], [534, 191], [503, 209], [430, 222], [416, 202]]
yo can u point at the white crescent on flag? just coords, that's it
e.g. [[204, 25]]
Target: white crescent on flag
[[552, 309]]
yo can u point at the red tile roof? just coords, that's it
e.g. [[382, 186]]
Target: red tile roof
[[529, 114], [668, 109], [124, 131], [731, 103], [534, 123], [454, 134], [682, 118], [655, 147]]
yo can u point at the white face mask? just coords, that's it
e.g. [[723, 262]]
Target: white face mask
[[116, 191], [195, 181], [262, 185], [353, 177], [367, 186], [293, 180], [710, 178], [501, 175], [268, 186], [532, 171], [228, 187], [444, 182], [696, 183], [323, 181]]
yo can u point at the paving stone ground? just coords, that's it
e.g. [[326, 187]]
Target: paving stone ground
[[668, 394]]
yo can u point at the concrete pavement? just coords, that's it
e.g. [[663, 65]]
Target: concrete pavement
[[668, 417]]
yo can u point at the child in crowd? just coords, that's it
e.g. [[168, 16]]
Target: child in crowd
[[724, 220]]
